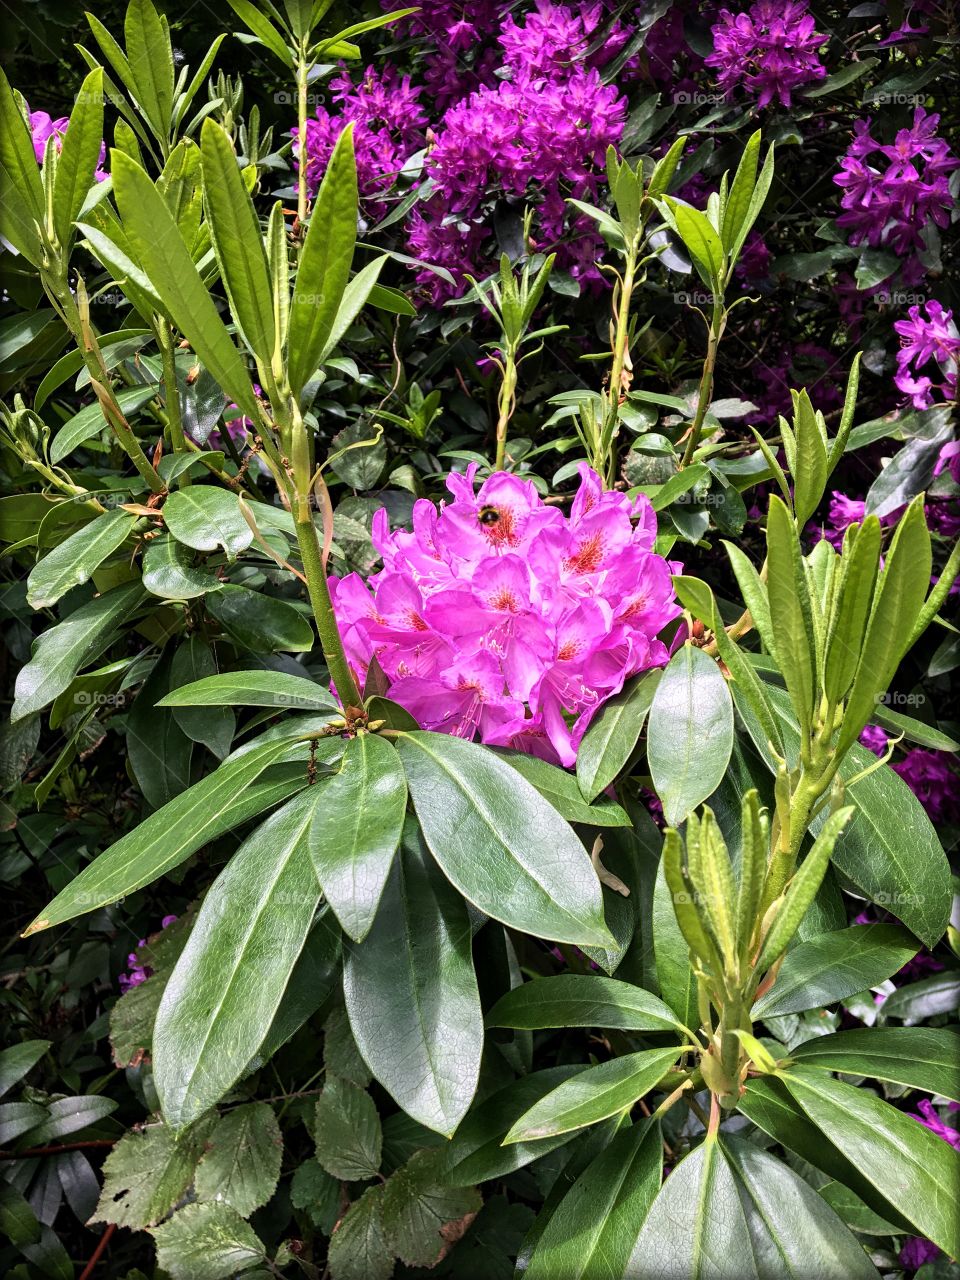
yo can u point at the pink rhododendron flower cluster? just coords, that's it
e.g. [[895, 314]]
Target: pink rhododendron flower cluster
[[43, 127], [925, 342], [501, 617], [770, 50]]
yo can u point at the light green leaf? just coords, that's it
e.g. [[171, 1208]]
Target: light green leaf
[[151, 63], [925, 1058], [504, 847], [790, 611], [221, 997], [74, 560], [613, 733], [79, 156], [253, 689], [207, 1242], [90, 421]]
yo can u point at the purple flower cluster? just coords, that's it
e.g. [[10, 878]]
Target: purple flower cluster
[[137, 971], [388, 123], [43, 127], [770, 49], [923, 342], [502, 617], [891, 193], [930, 775]]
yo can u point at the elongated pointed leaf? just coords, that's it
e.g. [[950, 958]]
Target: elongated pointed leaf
[[18, 158], [581, 1000], [90, 421], [675, 975], [252, 689], [560, 788], [221, 997], [690, 734], [791, 618], [701, 240], [357, 829], [161, 251], [594, 1094], [324, 263], [741, 192], [79, 155], [925, 1058], [835, 965], [411, 993], [74, 560], [151, 64], [613, 733], [593, 1229], [237, 241], [858, 569], [504, 847], [60, 653], [912, 1168], [167, 837], [810, 473]]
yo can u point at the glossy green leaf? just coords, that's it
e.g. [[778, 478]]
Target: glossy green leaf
[[613, 734], [22, 175], [169, 573], [223, 992], [700, 239], [165, 258], [593, 1095], [265, 624], [411, 993], [253, 689], [835, 965], [18, 1059], [324, 263], [151, 63], [237, 241], [79, 155], [675, 974], [60, 652], [74, 560], [912, 1168], [690, 734], [581, 1000], [166, 837], [793, 1231], [790, 611], [71, 1115], [925, 1058], [741, 192], [89, 422], [858, 570], [204, 517], [593, 1229], [356, 831], [215, 727], [561, 789], [504, 847]]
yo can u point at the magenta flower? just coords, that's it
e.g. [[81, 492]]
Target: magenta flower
[[916, 1252], [771, 50], [923, 342], [137, 971], [499, 617], [929, 1118], [43, 127], [875, 739], [932, 779]]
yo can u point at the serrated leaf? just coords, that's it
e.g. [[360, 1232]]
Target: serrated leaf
[[147, 1173], [347, 1131], [207, 1242], [417, 1207], [358, 1248], [241, 1166]]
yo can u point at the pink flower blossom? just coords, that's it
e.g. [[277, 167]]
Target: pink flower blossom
[[137, 971], [43, 127], [923, 342], [930, 1119], [771, 49], [499, 617]]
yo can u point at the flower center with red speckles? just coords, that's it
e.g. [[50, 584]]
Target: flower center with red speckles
[[587, 556], [569, 649], [416, 621], [502, 531], [636, 605], [504, 600]]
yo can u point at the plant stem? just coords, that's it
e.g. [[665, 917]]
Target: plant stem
[[302, 69], [705, 393], [620, 369], [506, 405], [319, 592], [171, 394]]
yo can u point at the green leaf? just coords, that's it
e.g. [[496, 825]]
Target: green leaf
[[912, 1168], [581, 1000], [593, 1229], [237, 241], [613, 734], [757, 201], [324, 263], [790, 611], [74, 560], [810, 470], [702, 242], [265, 32], [794, 1232], [161, 251], [169, 574], [204, 517], [71, 1115], [690, 735], [416, 1208], [858, 574], [207, 1242], [241, 1166], [741, 191], [147, 1173], [79, 156], [411, 993], [263, 623], [253, 689], [151, 64], [594, 1094], [213, 726], [675, 975], [504, 847], [356, 830], [477, 1153], [19, 1117], [60, 652], [697, 1225], [158, 749], [90, 421], [166, 838], [221, 997], [19, 163], [925, 1058], [560, 788], [835, 965], [358, 1248], [347, 1131], [20, 1058], [918, 1001]]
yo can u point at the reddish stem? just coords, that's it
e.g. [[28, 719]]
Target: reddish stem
[[95, 1257]]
